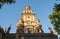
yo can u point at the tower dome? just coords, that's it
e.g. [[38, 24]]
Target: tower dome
[[29, 21]]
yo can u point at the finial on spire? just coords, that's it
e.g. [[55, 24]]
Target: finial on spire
[[27, 10], [27, 7]]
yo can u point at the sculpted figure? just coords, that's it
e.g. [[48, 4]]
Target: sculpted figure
[[51, 31]]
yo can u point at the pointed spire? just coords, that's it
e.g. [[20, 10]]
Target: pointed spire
[[8, 29]]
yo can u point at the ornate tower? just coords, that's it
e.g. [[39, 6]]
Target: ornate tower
[[28, 22]]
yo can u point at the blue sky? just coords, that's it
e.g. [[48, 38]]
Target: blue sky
[[9, 14]]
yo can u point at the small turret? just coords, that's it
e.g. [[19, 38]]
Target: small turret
[[5, 30]]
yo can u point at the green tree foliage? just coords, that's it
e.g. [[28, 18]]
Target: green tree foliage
[[2, 2], [55, 18], [57, 7]]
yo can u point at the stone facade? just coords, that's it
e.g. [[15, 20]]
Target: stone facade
[[28, 27]]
